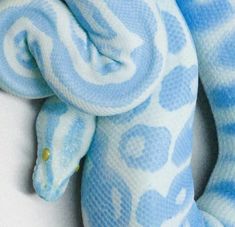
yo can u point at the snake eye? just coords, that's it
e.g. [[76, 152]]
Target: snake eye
[[45, 154]]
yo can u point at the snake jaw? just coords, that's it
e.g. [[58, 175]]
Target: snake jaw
[[50, 191]]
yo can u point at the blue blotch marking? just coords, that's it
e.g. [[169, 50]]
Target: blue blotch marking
[[194, 217], [223, 96], [224, 189], [54, 108], [88, 50], [183, 145], [153, 209], [228, 129], [85, 49], [183, 181], [73, 141], [201, 16], [175, 33], [226, 52], [37, 53], [18, 84], [153, 155], [176, 88], [109, 67], [23, 56], [98, 186], [130, 115], [108, 33]]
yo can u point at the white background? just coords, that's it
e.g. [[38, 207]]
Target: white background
[[20, 207]]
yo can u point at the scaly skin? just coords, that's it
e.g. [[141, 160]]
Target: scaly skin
[[123, 75], [212, 24]]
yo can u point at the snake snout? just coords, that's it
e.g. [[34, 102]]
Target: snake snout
[[48, 184], [49, 191]]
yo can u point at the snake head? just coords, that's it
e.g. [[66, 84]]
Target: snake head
[[64, 135]]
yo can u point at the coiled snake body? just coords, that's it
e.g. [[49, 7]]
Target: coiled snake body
[[120, 79]]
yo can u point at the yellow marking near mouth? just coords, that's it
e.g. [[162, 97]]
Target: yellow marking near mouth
[[77, 169], [45, 154]]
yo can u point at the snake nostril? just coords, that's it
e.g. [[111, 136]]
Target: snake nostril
[[45, 154]]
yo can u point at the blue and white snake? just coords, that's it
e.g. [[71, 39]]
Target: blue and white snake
[[120, 78]]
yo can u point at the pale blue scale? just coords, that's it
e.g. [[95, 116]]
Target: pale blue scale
[[179, 79], [176, 37], [23, 56], [183, 144], [203, 15], [108, 32], [224, 186], [228, 128], [223, 96], [151, 202], [153, 155], [226, 52], [130, 115], [194, 218], [86, 50]]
